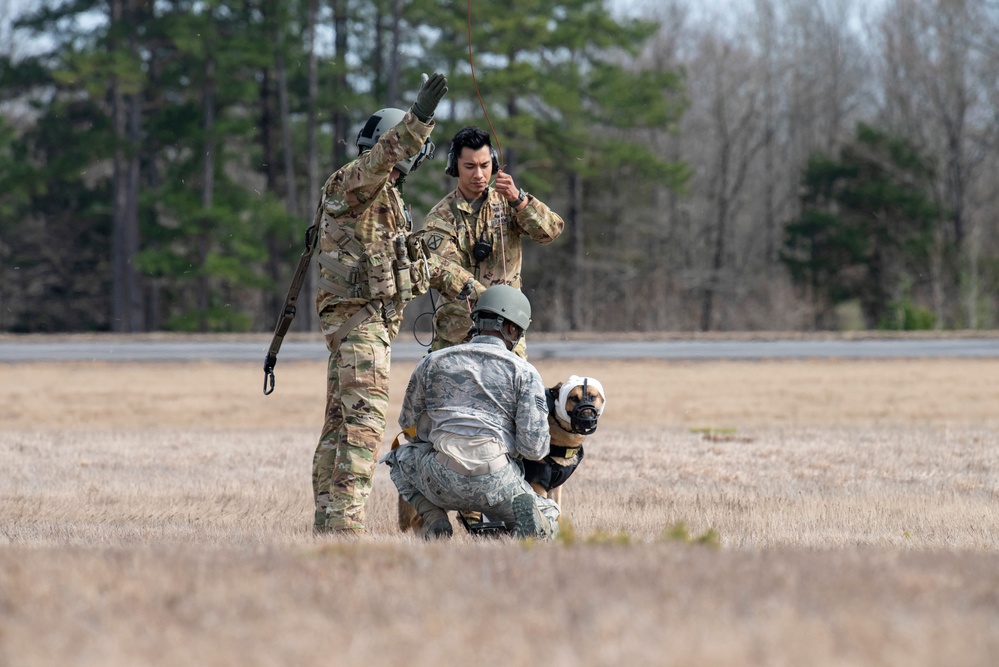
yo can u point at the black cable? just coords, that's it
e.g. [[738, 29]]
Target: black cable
[[433, 329]]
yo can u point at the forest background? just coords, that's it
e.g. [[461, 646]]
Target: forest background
[[771, 165]]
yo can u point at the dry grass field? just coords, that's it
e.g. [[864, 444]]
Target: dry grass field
[[728, 513]]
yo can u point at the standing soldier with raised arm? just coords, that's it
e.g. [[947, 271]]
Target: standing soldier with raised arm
[[477, 230], [369, 269]]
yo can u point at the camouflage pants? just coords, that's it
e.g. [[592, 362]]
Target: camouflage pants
[[357, 396], [414, 470]]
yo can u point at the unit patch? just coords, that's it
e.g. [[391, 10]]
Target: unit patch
[[435, 241]]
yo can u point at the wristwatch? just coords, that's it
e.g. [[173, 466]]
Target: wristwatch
[[520, 199]]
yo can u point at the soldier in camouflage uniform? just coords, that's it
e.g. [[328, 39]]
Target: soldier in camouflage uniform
[[477, 230], [369, 268], [477, 409]]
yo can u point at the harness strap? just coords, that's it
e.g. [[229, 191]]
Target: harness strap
[[564, 452], [410, 433], [548, 473], [290, 301], [338, 290], [345, 241], [348, 271], [352, 323]]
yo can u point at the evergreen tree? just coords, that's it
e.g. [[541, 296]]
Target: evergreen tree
[[573, 116], [866, 228]]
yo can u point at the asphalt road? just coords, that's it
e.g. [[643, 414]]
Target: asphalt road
[[254, 351]]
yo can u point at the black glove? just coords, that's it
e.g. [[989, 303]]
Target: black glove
[[430, 94]]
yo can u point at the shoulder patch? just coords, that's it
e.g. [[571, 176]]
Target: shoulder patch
[[542, 403], [435, 241]]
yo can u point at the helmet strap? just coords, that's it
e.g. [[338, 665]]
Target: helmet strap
[[512, 341]]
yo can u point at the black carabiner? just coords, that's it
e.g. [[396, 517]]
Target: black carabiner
[[269, 374]]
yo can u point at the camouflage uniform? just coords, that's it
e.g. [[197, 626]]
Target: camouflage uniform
[[474, 393], [451, 230], [359, 200]]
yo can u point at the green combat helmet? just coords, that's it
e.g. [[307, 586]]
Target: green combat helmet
[[381, 122], [507, 304]]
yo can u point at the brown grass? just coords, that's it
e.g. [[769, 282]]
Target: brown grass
[[159, 514]]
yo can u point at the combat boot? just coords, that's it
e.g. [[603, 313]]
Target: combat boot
[[436, 525], [528, 519]]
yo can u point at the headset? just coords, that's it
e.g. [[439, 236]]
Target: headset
[[451, 166]]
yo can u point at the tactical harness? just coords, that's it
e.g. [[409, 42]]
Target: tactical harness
[[376, 276], [547, 472]]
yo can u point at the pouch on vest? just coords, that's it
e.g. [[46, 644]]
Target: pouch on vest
[[419, 271], [402, 268], [381, 277]]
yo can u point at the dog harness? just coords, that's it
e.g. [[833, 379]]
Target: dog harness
[[550, 474], [547, 472]]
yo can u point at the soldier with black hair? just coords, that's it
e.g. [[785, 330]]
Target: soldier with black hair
[[477, 230]]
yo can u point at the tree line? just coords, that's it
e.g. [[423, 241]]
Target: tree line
[[788, 164]]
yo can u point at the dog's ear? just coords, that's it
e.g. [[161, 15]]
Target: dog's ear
[[551, 393], [551, 396]]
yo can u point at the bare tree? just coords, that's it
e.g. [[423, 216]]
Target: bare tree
[[767, 85], [936, 93], [725, 113]]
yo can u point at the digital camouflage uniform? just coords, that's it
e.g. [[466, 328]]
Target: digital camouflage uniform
[[477, 391], [363, 204], [451, 230]]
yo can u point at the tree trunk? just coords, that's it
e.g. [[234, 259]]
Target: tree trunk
[[575, 223], [290, 194], [378, 58], [136, 314], [395, 66], [340, 119], [267, 131], [207, 192], [126, 296], [119, 279], [308, 317], [274, 298]]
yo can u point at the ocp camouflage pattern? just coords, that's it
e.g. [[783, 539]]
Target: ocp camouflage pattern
[[451, 231]]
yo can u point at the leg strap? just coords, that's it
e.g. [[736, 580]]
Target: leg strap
[[352, 323]]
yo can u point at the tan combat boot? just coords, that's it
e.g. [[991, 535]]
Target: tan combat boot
[[436, 525]]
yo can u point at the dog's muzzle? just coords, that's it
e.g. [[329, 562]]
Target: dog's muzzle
[[583, 417]]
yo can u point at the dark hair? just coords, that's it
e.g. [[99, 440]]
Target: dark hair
[[469, 137]]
